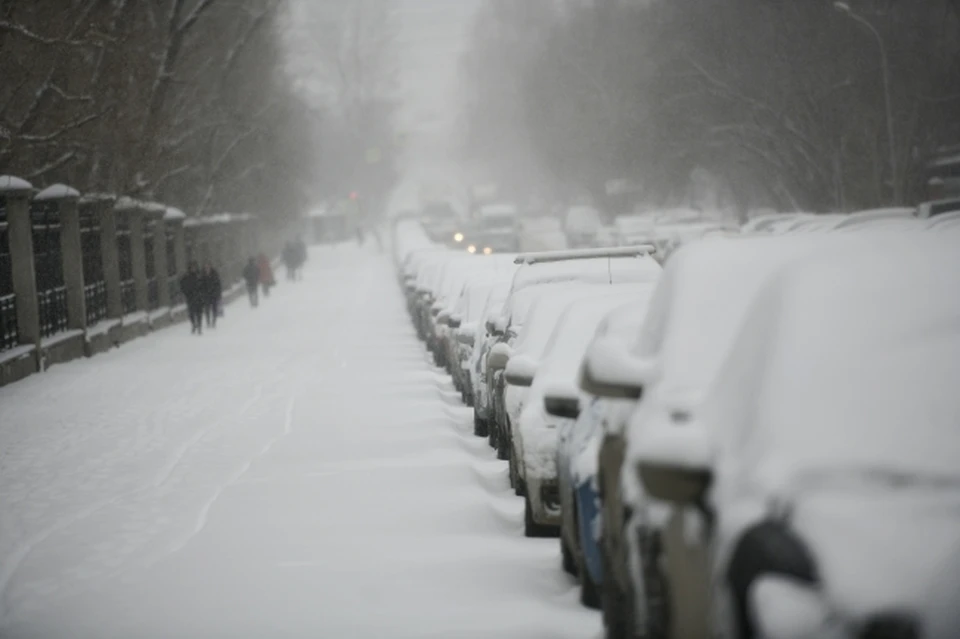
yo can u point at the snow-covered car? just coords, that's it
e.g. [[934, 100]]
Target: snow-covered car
[[692, 318], [577, 456], [504, 333], [581, 224], [531, 331], [628, 264], [479, 341], [461, 323], [445, 289], [816, 490], [551, 399]]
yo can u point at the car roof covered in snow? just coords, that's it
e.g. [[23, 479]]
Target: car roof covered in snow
[[547, 309], [567, 344], [702, 299], [592, 269], [849, 361]]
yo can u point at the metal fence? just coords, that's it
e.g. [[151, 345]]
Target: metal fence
[[128, 296], [8, 322], [95, 288], [149, 246], [48, 265], [95, 300], [52, 304]]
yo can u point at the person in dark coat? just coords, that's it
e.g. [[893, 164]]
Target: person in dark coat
[[191, 285], [290, 260], [300, 250], [251, 276], [212, 293]]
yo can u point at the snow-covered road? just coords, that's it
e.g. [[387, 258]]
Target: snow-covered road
[[302, 471]]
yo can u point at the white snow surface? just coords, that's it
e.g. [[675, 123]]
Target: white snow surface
[[301, 471], [56, 192], [11, 183]]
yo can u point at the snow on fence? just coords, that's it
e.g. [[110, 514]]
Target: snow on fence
[[72, 264]]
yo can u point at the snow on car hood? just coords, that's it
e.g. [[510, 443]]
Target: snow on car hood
[[881, 548]]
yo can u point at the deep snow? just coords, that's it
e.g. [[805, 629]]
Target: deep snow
[[301, 471]]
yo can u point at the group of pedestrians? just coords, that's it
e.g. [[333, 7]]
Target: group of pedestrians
[[203, 292], [258, 274], [203, 289], [294, 257]]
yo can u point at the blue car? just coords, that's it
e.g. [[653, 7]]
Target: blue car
[[578, 451], [579, 499]]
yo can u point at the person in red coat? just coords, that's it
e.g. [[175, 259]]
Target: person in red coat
[[266, 274]]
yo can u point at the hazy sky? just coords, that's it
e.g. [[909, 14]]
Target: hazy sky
[[431, 40]]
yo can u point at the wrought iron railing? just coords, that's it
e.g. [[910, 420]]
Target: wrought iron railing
[[52, 304], [128, 296], [8, 322], [95, 296], [153, 294]]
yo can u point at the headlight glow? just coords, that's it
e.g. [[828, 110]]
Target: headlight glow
[[458, 237], [487, 251], [471, 249]]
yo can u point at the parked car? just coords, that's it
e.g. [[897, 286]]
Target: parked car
[[553, 398], [619, 265], [577, 456], [814, 492], [528, 336], [693, 316]]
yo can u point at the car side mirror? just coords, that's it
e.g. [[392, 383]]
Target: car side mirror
[[494, 326], [674, 463], [499, 356], [520, 371], [562, 402], [608, 370]]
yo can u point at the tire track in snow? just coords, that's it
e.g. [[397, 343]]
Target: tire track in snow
[[236, 477], [10, 566]]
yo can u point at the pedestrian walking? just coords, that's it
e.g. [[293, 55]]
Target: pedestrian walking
[[290, 260], [300, 252], [212, 293], [251, 277], [191, 286], [266, 274]]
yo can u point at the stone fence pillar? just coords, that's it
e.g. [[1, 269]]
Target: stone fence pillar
[[109, 253], [71, 250], [17, 194]]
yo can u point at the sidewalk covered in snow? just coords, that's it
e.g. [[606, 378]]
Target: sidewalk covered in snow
[[301, 471]]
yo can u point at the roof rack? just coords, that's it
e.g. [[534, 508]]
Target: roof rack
[[581, 254]]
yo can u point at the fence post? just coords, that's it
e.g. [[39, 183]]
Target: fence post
[[110, 254], [17, 193], [160, 262], [138, 254], [71, 250]]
